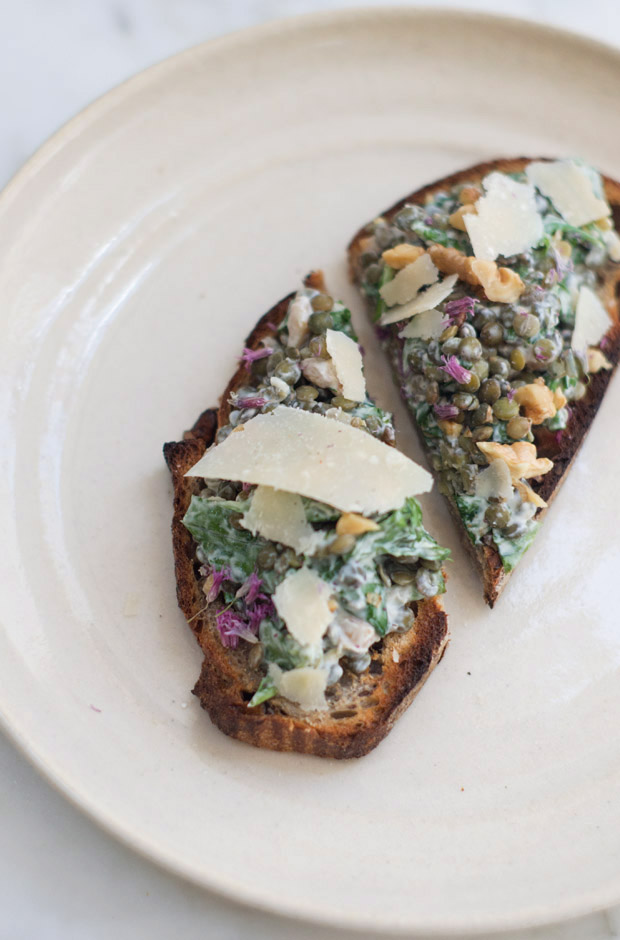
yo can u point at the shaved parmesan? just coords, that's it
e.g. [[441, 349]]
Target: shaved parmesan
[[428, 299], [299, 312], [591, 321], [347, 360], [304, 685], [494, 481], [507, 221], [406, 284], [280, 516], [612, 243], [570, 189], [302, 600], [312, 455], [427, 325]]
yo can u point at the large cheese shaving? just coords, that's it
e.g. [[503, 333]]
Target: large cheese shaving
[[302, 600], [427, 325], [305, 685], [310, 454], [591, 321], [506, 221], [570, 189], [406, 284], [424, 301], [280, 517], [347, 360]]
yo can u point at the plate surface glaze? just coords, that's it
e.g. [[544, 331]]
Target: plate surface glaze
[[138, 247]]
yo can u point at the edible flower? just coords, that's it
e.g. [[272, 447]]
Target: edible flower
[[251, 402], [445, 411], [452, 367], [458, 310], [251, 355], [213, 584], [250, 589], [231, 627]]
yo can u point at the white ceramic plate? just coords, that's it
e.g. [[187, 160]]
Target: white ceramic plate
[[136, 251]]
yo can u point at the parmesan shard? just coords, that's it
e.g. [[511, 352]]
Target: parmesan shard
[[424, 301], [427, 325], [347, 359], [612, 243], [304, 685], [507, 221], [317, 457], [299, 313], [495, 480], [591, 321], [406, 284], [302, 600], [570, 189], [280, 517]]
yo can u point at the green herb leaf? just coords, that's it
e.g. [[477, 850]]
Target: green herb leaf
[[209, 521], [512, 550], [265, 691]]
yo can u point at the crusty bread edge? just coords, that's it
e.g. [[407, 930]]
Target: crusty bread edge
[[487, 560]]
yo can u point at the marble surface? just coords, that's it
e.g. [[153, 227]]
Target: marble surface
[[60, 876]]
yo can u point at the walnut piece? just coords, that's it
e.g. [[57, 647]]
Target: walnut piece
[[351, 523], [402, 255], [469, 195], [521, 458], [456, 220], [537, 401], [453, 261], [501, 285]]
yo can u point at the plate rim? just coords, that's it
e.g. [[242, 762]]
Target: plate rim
[[36, 754]]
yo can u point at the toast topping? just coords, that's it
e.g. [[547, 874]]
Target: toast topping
[[309, 539], [518, 336]]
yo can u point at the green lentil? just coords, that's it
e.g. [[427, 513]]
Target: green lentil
[[306, 393], [320, 321], [470, 349], [322, 302], [492, 334], [490, 391], [518, 427], [497, 515], [517, 359], [504, 409], [345, 403], [526, 325]]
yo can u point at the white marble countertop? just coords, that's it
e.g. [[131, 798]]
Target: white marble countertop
[[60, 876]]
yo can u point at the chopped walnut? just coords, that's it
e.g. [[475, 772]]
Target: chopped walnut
[[521, 458], [350, 523], [528, 495], [402, 255], [453, 261], [537, 401], [501, 285], [456, 220], [450, 428], [469, 194]]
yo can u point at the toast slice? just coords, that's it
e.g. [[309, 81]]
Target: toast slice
[[361, 708], [423, 222]]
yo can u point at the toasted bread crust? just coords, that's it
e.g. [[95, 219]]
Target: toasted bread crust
[[561, 448], [361, 709]]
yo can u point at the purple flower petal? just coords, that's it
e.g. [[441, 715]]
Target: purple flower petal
[[452, 367], [445, 411], [218, 579], [251, 355], [251, 402], [250, 589], [511, 394], [459, 310]]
